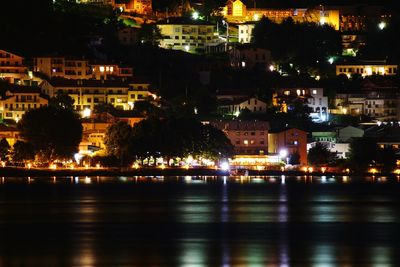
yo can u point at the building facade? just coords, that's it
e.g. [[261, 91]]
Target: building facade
[[78, 69], [366, 68], [87, 94], [20, 100], [234, 107], [288, 142], [247, 137], [186, 34], [245, 32]]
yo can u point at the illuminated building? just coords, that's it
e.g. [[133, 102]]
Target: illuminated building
[[87, 94], [106, 71], [248, 137], [97, 2], [380, 103], [238, 12], [234, 107], [286, 98], [186, 34], [13, 70], [245, 32], [70, 68], [366, 68], [291, 140], [19, 100], [139, 6], [95, 128], [10, 133]]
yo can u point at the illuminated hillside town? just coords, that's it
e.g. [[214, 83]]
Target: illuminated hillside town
[[237, 85], [198, 133]]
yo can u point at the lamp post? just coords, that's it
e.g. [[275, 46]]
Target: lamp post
[[227, 34]]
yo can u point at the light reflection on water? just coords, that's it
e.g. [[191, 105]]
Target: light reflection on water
[[200, 221]]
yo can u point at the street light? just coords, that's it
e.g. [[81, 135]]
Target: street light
[[227, 33], [195, 15], [382, 25]]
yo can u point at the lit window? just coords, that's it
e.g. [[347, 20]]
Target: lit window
[[314, 92], [101, 68], [246, 142]]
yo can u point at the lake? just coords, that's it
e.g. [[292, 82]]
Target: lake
[[200, 221]]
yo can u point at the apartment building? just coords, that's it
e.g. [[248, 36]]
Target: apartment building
[[248, 137], [186, 34], [87, 94], [285, 99], [18, 100], [366, 68], [78, 69]]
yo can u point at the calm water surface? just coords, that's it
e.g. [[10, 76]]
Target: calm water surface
[[200, 221]]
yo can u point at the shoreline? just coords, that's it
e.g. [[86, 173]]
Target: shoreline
[[110, 172]]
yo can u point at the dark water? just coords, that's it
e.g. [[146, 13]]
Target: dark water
[[200, 221]]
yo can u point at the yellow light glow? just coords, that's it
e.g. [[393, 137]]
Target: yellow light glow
[[397, 171], [29, 165], [98, 166], [373, 170], [162, 166], [323, 169], [310, 169], [135, 166], [304, 169]]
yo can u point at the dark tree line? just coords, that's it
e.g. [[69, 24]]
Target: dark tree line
[[307, 46], [167, 138]]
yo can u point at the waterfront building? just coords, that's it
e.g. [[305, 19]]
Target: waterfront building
[[286, 142], [247, 137]]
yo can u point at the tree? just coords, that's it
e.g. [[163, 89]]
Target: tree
[[150, 34], [178, 137], [305, 45], [22, 151], [4, 149], [53, 132], [320, 154], [363, 151], [62, 100], [294, 158], [117, 140]]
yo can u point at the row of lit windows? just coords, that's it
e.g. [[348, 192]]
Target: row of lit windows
[[22, 106], [249, 142], [249, 133]]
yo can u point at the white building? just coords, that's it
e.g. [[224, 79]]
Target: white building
[[235, 107], [341, 150], [318, 103], [245, 32]]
